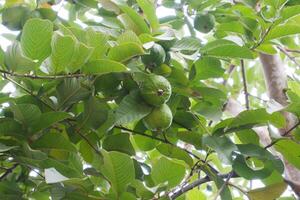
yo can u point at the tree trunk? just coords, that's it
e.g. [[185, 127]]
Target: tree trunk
[[276, 82]]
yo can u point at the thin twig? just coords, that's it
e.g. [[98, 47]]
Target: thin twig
[[292, 50], [28, 91], [198, 183], [263, 37], [238, 188], [224, 184], [229, 72], [256, 97], [142, 134], [190, 26], [32, 76], [190, 187], [245, 85], [293, 59], [39, 99], [167, 142], [285, 134], [8, 171]]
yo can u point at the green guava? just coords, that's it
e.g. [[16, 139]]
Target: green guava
[[155, 90], [204, 22], [156, 56], [163, 70], [13, 18], [159, 119]]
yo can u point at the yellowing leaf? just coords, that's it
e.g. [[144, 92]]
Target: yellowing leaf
[[270, 192]]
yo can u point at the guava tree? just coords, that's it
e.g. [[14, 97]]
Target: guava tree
[[145, 99]]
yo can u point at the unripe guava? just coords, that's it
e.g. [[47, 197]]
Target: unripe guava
[[159, 119], [204, 22], [155, 90]]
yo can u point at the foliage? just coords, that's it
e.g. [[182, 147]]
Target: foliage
[[85, 121]]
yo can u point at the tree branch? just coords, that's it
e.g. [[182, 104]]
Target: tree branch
[[49, 106], [245, 85], [293, 59], [8, 171], [200, 182], [168, 142], [32, 76], [284, 134]]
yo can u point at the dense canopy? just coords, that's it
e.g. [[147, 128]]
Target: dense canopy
[[147, 99]]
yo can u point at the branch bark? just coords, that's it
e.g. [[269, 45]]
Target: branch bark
[[276, 82]]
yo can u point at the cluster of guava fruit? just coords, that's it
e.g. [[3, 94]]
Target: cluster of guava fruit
[[156, 90]]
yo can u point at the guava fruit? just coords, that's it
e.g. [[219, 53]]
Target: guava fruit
[[13, 17], [159, 119], [204, 22], [155, 89], [163, 70], [156, 56]]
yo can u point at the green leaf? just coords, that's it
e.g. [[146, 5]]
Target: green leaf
[[144, 143], [10, 190], [129, 36], [282, 31], [208, 67], [290, 151], [249, 119], [54, 140], [81, 56], [132, 108], [267, 49], [95, 113], [150, 12], [119, 142], [125, 51], [289, 12], [165, 170], [226, 49], [269, 192], [232, 27], [15, 60], [2, 58], [256, 151], [241, 168], [10, 127], [63, 50], [248, 136], [136, 18], [48, 119], [187, 43], [69, 91], [26, 113], [103, 66], [194, 138], [118, 168], [222, 145], [97, 40], [220, 183], [4, 148], [186, 119], [175, 152], [195, 194], [36, 38]]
